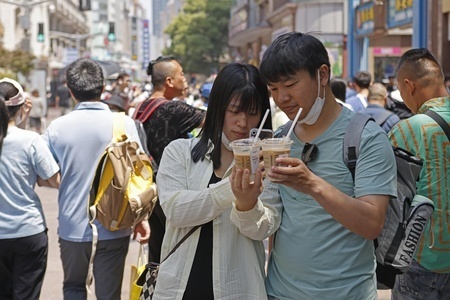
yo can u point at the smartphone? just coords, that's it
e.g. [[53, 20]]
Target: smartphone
[[265, 133]]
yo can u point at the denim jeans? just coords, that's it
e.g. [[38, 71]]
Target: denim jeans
[[420, 283]]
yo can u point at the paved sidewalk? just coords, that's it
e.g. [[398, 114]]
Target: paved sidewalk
[[52, 287]]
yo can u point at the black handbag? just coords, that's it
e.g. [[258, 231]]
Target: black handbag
[[148, 278]]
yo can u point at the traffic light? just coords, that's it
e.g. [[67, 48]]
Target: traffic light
[[112, 32], [40, 35]]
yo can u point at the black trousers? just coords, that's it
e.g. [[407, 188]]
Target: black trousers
[[23, 262]]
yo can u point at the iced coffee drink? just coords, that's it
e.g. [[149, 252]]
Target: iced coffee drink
[[274, 148]]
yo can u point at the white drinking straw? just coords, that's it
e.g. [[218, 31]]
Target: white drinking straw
[[293, 124], [261, 126]]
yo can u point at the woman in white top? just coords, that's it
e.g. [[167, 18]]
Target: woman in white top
[[216, 261], [24, 160]]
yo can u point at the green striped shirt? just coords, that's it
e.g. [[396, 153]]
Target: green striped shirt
[[423, 137]]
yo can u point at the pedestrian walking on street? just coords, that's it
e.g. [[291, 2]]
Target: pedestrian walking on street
[[170, 120], [77, 141], [217, 261], [25, 160], [325, 221], [421, 83], [37, 111], [63, 99], [377, 98]]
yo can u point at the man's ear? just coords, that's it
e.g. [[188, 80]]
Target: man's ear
[[411, 87], [169, 81], [324, 73]]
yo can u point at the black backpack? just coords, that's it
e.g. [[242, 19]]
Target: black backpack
[[398, 107]]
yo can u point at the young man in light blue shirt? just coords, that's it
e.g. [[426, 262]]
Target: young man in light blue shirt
[[323, 246]]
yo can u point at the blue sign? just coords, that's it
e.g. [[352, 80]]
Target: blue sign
[[145, 44], [365, 18], [399, 13]]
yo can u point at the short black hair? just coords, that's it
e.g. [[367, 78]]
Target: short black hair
[[418, 61], [85, 79], [123, 75], [235, 80], [339, 88], [159, 70], [363, 79], [290, 53]]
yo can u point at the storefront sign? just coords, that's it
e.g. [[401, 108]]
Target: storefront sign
[[399, 13], [134, 41], [145, 43], [387, 51], [365, 18]]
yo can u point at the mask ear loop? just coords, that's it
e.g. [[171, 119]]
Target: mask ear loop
[[318, 85]]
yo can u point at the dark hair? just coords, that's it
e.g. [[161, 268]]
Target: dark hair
[[4, 120], [363, 79], [159, 70], [123, 75], [85, 79], [235, 80], [339, 87], [8, 91], [290, 53], [418, 62]]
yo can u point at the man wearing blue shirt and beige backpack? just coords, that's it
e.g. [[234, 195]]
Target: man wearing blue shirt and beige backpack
[[77, 141]]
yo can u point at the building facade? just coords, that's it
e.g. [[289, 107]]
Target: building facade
[[255, 23], [384, 29]]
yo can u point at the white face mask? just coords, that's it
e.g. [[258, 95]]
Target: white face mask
[[317, 107], [226, 142]]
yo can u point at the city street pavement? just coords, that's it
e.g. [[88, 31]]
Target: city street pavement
[[52, 287]]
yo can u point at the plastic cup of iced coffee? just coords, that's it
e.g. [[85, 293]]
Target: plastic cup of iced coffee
[[246, 155], [272, 149]]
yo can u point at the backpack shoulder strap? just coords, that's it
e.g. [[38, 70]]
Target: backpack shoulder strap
[[118, 126], [381, 118], [440, 120], [146, 108], [352, 139]]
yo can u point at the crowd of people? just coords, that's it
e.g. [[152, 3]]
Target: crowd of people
[[321, 220]]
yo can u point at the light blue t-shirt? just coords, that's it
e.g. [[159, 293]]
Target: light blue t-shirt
[[77, 141], [314, 256], [24, 157]]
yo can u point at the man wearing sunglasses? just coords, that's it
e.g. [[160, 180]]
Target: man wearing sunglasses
[[323, 246]]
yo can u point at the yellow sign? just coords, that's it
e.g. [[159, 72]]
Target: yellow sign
[[403, 4], [367, 15]]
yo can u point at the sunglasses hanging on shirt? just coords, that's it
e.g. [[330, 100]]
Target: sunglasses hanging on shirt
[[309, 152]]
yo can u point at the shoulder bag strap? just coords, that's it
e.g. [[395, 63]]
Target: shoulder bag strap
[[193, 229], [381, 118], [440, 120]]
